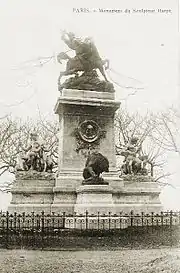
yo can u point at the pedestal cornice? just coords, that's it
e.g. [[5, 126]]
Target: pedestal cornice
[[86, 98]]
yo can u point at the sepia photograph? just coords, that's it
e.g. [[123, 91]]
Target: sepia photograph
[[89, 136]]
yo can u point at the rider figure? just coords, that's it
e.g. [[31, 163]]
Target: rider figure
[[86, 51], [82, 49]]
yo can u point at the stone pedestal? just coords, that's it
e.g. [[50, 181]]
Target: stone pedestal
[[94, 199], [77, 109], [80, 111], [138, 193], [32, 192]]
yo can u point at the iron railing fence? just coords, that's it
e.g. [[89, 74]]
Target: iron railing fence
[[68, 231], [54, 222]]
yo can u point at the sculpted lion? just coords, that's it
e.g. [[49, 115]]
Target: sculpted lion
[[96, 164]]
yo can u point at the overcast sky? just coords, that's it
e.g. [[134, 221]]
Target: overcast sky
[[140, 46]]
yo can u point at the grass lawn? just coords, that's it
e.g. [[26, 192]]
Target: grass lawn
[[126, 261]]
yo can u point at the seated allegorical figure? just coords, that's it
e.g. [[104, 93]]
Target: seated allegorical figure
[[34, 156], [95, 165], [134, 162]]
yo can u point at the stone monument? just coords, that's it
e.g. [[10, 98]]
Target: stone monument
[[87, 178]]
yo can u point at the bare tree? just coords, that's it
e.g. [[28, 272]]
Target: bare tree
[[152, 139], [168, 125]]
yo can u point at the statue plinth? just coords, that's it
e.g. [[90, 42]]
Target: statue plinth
[[95, 181], [86, 125], [94, 199], [139, 193], [32, 191], [77, 109]]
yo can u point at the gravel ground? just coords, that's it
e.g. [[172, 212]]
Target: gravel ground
[[126, 261]]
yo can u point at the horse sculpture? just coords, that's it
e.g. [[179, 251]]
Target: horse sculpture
[[75, 65], [87, 57]]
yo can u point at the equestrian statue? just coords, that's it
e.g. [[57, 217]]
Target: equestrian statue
[[87, 60]]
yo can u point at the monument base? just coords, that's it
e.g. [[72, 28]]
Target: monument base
[[32, 192], [65, 191], [95, 199], [37, 192], [129, 193], [139, 194]]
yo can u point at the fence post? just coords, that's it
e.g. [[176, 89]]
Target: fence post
[[42, 229], [162, 218], [171, 215], [131, 218], [74, 216], [171, 226], [152, 219], [63, 220], [7, 229], [98, 220], [142, 218], [131, 230], [109, 220], [53, 220], [22, 230], [86, 215], [15, 219]]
